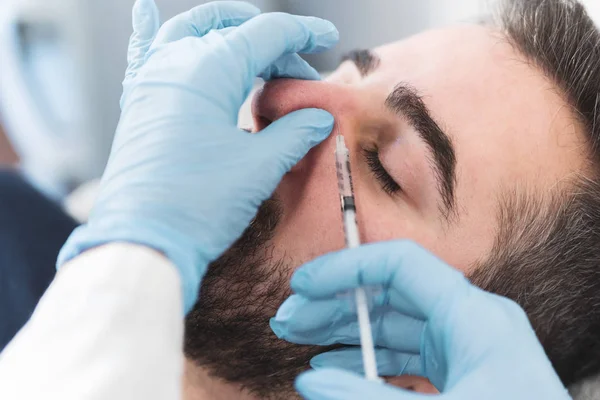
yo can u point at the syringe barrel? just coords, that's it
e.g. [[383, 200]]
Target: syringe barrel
[[344, 176]]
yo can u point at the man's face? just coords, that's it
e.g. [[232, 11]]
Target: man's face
[[502, 121], [440, 127]]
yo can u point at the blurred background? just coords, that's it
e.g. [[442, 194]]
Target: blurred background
[[62, 62]]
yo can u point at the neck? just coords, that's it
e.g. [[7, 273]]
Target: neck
[[199, 385]]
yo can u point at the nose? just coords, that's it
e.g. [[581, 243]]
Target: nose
[[311, 222], [281, 97]]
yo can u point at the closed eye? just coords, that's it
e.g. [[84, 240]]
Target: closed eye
[[388, 184]]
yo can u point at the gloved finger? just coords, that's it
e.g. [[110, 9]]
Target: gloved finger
[[290, 66], [300, 319], [333, 384], [418, 281], [264, 39], [334, 321], [287, 140], [145, 22], [389, 362], [202, 19], [287, 66]]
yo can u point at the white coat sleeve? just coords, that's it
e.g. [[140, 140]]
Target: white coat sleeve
[[109, 327]]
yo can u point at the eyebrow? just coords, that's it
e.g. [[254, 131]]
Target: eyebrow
[[406, 101], [365, 61]]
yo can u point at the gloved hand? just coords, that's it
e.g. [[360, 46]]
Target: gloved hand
[[182, 178], [428, 321]]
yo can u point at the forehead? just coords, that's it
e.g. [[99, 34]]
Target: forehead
[[489, 99], [468, 59]]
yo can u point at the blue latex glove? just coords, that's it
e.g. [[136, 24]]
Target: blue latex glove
[[224, 16], [182, 178], [428, 321]]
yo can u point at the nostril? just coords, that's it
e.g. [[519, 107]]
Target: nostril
[[262, 123]]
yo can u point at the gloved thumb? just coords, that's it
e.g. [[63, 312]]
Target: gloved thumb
[[287, 140], [146, 23], [333, 384], [145, 19]]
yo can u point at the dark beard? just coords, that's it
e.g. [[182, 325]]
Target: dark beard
[[545, 258], [228, 331]]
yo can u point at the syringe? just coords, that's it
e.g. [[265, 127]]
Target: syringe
[[342, 161]]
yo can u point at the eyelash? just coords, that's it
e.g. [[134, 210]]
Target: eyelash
[[388, 184]]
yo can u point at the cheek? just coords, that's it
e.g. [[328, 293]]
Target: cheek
[[311, 224], [381, 221], [382, 218]]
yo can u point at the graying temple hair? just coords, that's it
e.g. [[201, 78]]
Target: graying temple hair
[[547, 253]]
